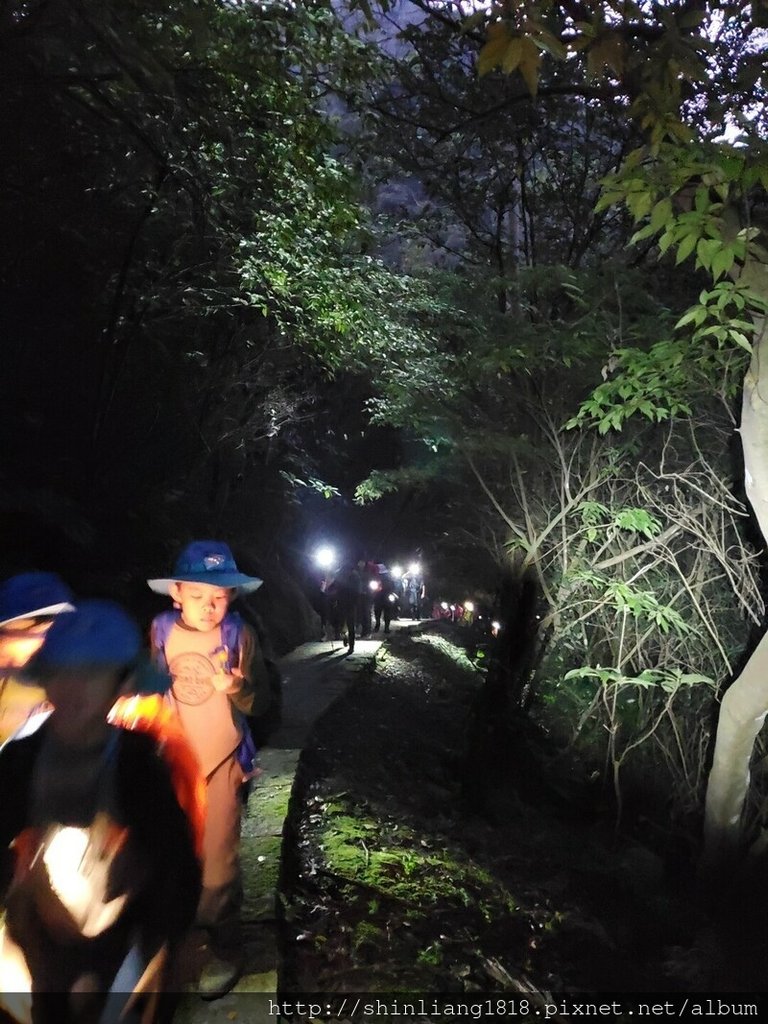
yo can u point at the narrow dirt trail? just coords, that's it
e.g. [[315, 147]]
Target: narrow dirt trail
[[414, 868]]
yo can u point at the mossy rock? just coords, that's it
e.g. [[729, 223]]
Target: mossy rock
[[368, 942], [408, 872]]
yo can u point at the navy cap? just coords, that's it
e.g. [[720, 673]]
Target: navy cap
[[33, 595], [207, 561], [97, 632]]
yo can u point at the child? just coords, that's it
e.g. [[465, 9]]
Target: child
[[218, 676], [104, 855], [28, 604]]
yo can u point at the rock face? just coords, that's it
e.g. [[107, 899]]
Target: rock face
[[284, 610]]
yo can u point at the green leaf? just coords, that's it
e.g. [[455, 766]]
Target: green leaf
[[701, 200], [549, 42], [696, 315], [512, 56], [640, 204], [741, 340], [706, 251], [647, 232], [722, 262], [494, 49], [685, 248], [660, 215]]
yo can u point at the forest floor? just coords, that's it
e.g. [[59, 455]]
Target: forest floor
[[413, 867]]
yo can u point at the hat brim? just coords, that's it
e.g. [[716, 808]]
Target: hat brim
[[39, 613], [228, 580]]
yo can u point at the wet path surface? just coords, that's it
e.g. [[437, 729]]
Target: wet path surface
[[314, 675]]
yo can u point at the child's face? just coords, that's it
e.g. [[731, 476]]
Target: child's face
[[21, 639], [203, 606], [82, 699]]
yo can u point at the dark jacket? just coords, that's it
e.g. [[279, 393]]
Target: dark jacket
[[345, 588], [146, 803]]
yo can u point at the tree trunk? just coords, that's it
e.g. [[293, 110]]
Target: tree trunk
[[744, 705]]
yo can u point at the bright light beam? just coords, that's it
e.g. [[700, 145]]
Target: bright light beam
[[325, 557]]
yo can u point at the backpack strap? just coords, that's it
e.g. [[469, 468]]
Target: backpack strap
[[231, 633], [231, 641], [162, 625]]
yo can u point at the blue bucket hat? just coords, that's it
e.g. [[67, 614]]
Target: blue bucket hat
[[97, 632], [32, 595], [207, 561]]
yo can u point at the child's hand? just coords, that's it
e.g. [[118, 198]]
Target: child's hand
[[228, 682]]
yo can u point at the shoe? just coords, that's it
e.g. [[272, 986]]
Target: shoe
[[219, 977]]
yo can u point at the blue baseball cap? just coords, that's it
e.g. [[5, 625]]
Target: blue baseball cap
[[207, 561], [32, 595], [97, 632]]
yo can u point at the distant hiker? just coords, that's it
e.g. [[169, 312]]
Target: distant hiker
[[101, 879], [364, 595], [343, 594], [384, 599], [414, 592], [29, 603], [321, 605], [321, 601], [218, 677]]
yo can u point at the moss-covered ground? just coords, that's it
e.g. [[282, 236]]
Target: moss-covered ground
[[414, 867]]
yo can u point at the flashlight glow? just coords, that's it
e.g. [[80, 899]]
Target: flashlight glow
[[374, 585], [444, 605], [397, 571], [79, 877], [469, 606], [414, 569], [15, 980], [325, 557]]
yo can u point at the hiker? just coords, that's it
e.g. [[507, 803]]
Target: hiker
[[343, 594], [218, 677], [98, 872], [384, 599], [414, 592], [319, 599], [29, 603], [364, 595]]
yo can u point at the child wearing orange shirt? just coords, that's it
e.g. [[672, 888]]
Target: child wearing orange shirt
[[217, 674]]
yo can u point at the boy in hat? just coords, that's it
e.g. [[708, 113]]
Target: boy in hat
[[96, 856], [29, 603], [218, 676]]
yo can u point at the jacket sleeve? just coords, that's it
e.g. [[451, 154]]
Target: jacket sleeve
[[254, 697], [164, 835], [11, 816], [17, 763]]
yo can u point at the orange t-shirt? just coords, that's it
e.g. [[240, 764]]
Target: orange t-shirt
[[205, 713]]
